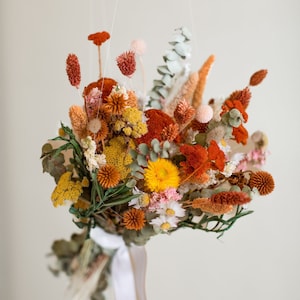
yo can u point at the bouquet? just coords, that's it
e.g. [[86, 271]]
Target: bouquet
[[131, 166]]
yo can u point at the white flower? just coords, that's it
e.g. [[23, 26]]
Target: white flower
[[232, 164], [142, 201], [170, 209], [94, 161], [164, 223]]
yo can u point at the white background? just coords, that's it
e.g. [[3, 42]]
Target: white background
[[259, 258]]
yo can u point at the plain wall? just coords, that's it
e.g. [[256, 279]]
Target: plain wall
[[259, 257]]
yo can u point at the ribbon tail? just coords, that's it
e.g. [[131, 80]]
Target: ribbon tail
[[138, 258]]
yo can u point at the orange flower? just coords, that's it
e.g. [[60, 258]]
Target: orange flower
[[230, 104], [79, 120], [216, 155], [108, 176], [184, 112], [206, 205], [243, 96], [115, 103], [104, 85], [134, 219], [170, 132], [156, 123], [240, 134], [263, 181], [230, 198], [99, 38], [196, 162], [258, 77]]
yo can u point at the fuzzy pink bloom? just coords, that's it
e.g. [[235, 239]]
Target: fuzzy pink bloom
[[126, 63], [73, 70], [138, 46], [204, 114]]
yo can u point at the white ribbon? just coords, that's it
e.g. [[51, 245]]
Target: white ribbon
[[128, 268]]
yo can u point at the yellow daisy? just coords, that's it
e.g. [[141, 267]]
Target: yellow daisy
[[160, 175]]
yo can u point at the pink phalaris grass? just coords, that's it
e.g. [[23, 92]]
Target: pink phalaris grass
[[127, 63], [73, 70]]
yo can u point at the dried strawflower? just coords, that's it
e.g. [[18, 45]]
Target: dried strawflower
[[258, 77], [73, 70], [116, 103], [79, 120], [263, 181], [160, 175], [230, 198], [134, 219], [99, 38], [108, 176], [104, 85], [126, 63]]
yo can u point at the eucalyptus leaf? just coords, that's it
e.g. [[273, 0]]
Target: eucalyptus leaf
[[144, 149], [141, 160]]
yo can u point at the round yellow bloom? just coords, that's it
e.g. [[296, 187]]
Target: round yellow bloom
[[160, 175]]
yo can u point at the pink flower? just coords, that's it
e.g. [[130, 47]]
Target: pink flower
[[126, 63]]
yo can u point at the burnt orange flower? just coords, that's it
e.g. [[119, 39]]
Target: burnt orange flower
[[216, 155], [104, 84], [196, 161], [99, 38], [134, 219], [263, 181], [126, 63], [230, 198], [230, 104], [240, 134], [73, 70], [156, 123], [197, 126], [243, 96], [108, 176]]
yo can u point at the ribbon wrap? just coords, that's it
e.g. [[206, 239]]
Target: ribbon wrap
[[128, 267]]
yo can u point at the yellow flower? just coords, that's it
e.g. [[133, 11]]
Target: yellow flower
[[117, 154], [160, 175], [67, 189]]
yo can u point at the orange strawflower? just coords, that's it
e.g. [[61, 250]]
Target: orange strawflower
[[108, 176], [134, 219], [116, 103], [263, 181], [99, 38]]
